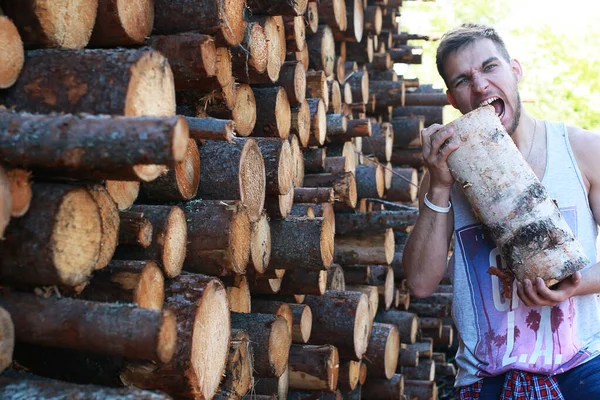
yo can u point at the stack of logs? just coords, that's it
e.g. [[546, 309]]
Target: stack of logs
[[230, 184]]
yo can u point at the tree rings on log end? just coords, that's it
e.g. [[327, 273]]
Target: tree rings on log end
[[252, 179], [362, 324], [175, 239], [123, 22], [279, 345], [260, 244], [244, 110], [167, 337], [124, 193], [12, 55]]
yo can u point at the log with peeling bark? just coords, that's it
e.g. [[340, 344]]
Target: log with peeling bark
[[381, 61], [392, 389], [430, 310], [78, 146], [238, 293], [276, 308], [277, 157], [7, 339], [382, 75], [406, 54], [408, 158], [300, 122], [408, 356], [225, 21], [303, 281], [373, 249], [348, 375], [404, 37], [134, 229], [406, 322], [370, 181], [426, 99], [178, 183], [431, 114], [109, 224], [355, 22], [203, 331], [341, 319], [380, 143], [219, 234], [314, 195], [360, 127], [302, 242], [46, 389], [15, 189], [382, 352], [318, 121], [169, 238], [195, 60], [321, 50], [63, 229], [415, 389], [295, 32], [273, 114], [405, 185], [301, 322], [270, 7], [233, 171], [335, 278], [122, 23], [43, 25], [344, 186], [111, 329], [239, 368], [211, 129], [407, 131], [249, 59], [313, 367], [12, 57], [512, 203], [139, 282], [265, 388], [129, 82], [271, 341], [374, 221]]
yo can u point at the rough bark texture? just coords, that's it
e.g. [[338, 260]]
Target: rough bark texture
[[129, 82], [300, 122], [409, 356], [370, 181], [427, 99], [218, 237], [63, 24], [382, 352], [405, 185], [305, 282], [134, 229], [431, 114], [211, 129], [169, 238], [277, 308], [341, 319], [391, 389], [271, 7], [406, 322], [239, 369], [314, 159], [314, 195], [373, 249], [301, 323], [425, 390], [387, 93], [233, 171], [112, 329], [374, 221], [506, 195], [12, 57], [344, 186], [313, 367], [273, 114], [122, 22], [277, 156], [203, 334], [222, 18], [321, 50], [57, 242], [408, 158], [266, 388], [407, 131], [425, 371]]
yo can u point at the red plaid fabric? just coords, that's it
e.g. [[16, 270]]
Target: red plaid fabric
[[519, 385]]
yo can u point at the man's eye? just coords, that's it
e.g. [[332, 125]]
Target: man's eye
[[490, 67], [461, 82]]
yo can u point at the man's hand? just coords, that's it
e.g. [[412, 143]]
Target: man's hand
[[537, 294], [436, 160]]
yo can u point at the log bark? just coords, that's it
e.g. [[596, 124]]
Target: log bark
[[12, 56], [124, 193], [271, 341], [238, 293], [380, 143], [62, 231], [195, 60], [383, 75], [337, 124], [279, 206], [335, 97], [341, 319], [388, 93], [344, 186], [46, 389], [234, 101], [423, 348], [359, 85], [525, 223], [391, 389], [404, 37], [361, 53], [7, 339], [409, 356], [139, 282], [219, 236], [276, 308], [318, 121], [15, 190], [316, 86], [302, 242], [408, 158], [374, 249], [273, 114], [134, 229], [373, 20], [298, 161], [333, 13], [264, 286], [249, 59], [109, 224], [355, 23], [122, 23], [406, 322], [321, 50], [312, 17], [431, 114], [41, 25], [405, 185], [292, 78], [349, 375], [381, 61], [295, 31], [131, 82], [407, 131], [374, 221], [265, 388], [382, 352], [277, 7], [314, 195], [426, 390], [305, 282], [224, 19], [335, 278], [260, 244], [239, 368], [406, 54], [112, 329], [430, 310], [300, 122], [211, 129], [370, 181], [203, 335], [78, 146], [337, 165], [313, 367], [233, 171], [427, 99], [301, 323], [314, 159], [169, 239], [178, 183], [425, 371], [277, 157]]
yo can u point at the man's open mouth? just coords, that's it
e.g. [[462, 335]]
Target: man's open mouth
[[497, 103]]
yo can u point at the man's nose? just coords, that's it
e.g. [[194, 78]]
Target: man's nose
[[480, 83]]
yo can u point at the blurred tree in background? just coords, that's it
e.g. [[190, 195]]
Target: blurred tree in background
[[556, 43]]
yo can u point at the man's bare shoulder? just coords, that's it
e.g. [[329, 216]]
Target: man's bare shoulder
[[586, 147]]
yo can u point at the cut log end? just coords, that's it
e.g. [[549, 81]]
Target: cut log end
[[240, 228], [7, 339], [151, 87], [362, 323], [12, 56], [252, 179], [283, 113], [175, 238], [300, 122], [129, 24], [258, 47], [6, 201], [279, 345], [285, 168], [392, 350], [244, 111], [150, 290], [305, 323], [260, 244], [20, 191], [109, 218], [186, 172], [233, 24], [124, 193], [327, 242], [167, 337]]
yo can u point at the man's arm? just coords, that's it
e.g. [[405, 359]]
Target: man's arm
[[586, 147], [426, 251]]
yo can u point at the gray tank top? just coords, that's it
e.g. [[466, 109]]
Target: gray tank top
[[498, 334]]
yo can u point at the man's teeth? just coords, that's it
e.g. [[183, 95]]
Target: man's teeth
[[488, 101]]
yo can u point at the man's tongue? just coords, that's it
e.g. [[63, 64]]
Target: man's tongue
[[498, 107]]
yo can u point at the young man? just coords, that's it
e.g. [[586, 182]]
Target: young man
[[540, 343]]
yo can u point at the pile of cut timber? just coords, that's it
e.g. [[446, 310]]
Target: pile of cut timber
[[209, 199]]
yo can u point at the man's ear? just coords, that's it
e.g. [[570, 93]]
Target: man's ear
[[451, 98], [515, 65]]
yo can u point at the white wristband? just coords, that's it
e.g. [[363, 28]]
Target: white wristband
[[436, 208]]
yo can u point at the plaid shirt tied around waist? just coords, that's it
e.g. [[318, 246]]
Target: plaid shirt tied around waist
[[519, 385]]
